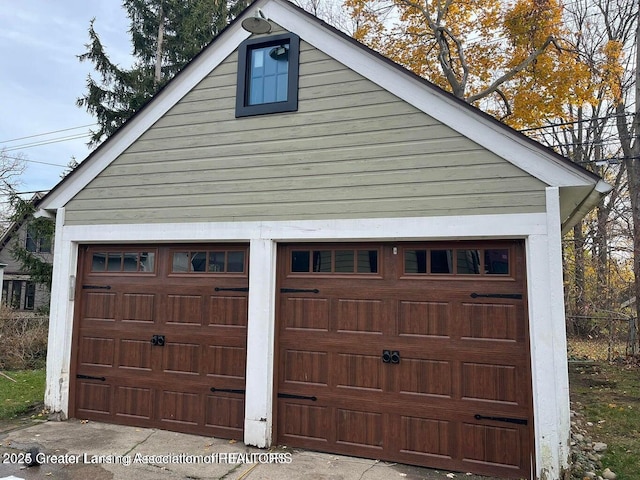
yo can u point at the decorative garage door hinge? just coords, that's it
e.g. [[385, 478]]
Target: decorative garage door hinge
[[297, 397], [517, 296], [299, 290], [519, 421], [232, 289], [96, 287], [89, 377], [228, 390]]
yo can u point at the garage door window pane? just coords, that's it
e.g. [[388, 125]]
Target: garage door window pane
[[235, 262], [496, 261], [300, 261], [322, 261], [368, 261], [415, 261], [344, 261], [216, 261], [468, 262], [147, 261], [441, 261], [198, 261], [98, 262], [114, 262], [181, 262], [130, 262]]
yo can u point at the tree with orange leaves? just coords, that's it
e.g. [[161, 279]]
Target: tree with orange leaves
[[506, 57]]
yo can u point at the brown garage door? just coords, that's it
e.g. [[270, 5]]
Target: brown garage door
[[160, 337], [416, 353]]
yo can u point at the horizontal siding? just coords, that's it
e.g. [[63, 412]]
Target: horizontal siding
[[351, 150]]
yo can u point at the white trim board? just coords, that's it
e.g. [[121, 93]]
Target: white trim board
[[388, 229]]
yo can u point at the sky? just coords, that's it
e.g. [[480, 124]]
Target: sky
[[41, 78]]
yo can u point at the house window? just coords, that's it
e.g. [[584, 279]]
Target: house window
[[268, 75], [16, 294], [30, 296], [36, 243]]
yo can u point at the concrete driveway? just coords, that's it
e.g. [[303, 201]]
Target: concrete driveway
[[96, 451]]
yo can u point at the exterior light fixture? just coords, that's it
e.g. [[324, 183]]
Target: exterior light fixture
[[256, 24]]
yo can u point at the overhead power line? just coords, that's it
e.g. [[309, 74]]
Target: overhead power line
[[46, 142], [35, 161], [562, 124], [47, 133]]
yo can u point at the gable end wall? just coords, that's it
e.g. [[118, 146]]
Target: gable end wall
[[352, 150]]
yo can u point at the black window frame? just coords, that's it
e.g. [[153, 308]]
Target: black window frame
[[243, 109]]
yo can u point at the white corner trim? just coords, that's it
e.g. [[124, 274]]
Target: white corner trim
[[548, 344], [61, 321], [260, 344]]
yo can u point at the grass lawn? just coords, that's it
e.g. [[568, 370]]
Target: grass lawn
[[608, 394], [22, 396]]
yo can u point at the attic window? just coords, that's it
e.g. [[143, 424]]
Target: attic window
[[37, 243], [268, 75]]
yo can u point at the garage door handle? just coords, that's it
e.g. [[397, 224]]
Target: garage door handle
[[389, 356], [395, 356], [158, 340]]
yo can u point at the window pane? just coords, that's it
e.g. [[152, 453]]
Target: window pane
[[441, 261], [30, 296], [31, 243], [147, 261], [216, 261], [300, 261], [198, 261], [268, 74], [235, 262], [496, 261], [367, 261], [415, 261], [344, 261], [131, 262], [180, 262], [322, 261], [98, 263], [114, 262], [468, 261], [45, 244]]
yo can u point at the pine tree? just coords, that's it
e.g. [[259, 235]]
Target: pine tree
[[165, 36]]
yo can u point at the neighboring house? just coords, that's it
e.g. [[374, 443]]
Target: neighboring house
[[19, 292], [299, 242]]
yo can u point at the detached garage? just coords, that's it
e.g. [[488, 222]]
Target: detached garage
[[299, 242]]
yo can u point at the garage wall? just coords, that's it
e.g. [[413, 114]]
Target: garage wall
[[353, 150]]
